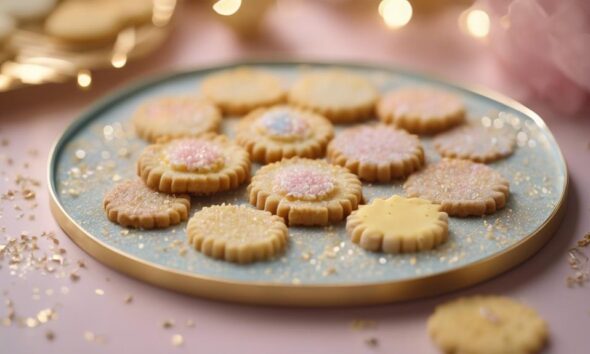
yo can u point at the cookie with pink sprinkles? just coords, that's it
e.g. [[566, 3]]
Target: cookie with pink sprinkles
[[306, 192], [377, 153], [203, 165], [461, 187], [279, 132], [176, 117]]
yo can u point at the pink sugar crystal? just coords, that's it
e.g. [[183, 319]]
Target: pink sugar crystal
[[194, 154], [300, 181], [283, 122]]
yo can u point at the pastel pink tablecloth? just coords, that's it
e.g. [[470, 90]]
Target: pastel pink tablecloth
[[33, 118]]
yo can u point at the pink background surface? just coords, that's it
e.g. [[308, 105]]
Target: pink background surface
[[35, 117]]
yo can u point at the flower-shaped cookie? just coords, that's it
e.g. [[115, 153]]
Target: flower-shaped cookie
[[306, 192], [176, 117], [421, 110], [377, 153], [203, 165], [132, 204], [237, 233], [279, 132], [339, 95], [476, 143], [240, 90], [487, 325], [462, 187], [398, 225]]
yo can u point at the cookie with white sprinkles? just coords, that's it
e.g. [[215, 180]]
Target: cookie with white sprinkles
[[487, 325], [462, 187], [306, 192], [476, 143], [271, 134], [204, 165], [176, 117], [132, 204], [377, 153], [421, 110], [237, 233]]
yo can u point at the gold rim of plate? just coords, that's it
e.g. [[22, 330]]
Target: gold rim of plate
[[267, 293]]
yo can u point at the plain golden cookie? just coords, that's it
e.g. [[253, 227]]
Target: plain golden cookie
[[237, 233], [487, 325], [132, 204], [306, 192], [339, 95], [462, 187], [271, 134], [175, 117], [203, 165], [421, 110], [476, 143], [238, 91], [398, 225], [377, 153]]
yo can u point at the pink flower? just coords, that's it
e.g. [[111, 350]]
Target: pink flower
[[546, 44]]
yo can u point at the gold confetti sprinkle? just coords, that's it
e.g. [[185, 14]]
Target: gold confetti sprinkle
[[168, 324], [74, 277], [99, 292], [128, 299], [190, 323], [49, 335], [177, 340], [31, 322]]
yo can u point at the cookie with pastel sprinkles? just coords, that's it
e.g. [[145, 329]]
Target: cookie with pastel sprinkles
[[176, 117], [377, 153], [238, 234], [271, 134], [238, 91], [306, 192], [462, 187], [398, 225], [132, 204], [487, 325], [421, 110], [476, 143], [339, 95], [204, 165]]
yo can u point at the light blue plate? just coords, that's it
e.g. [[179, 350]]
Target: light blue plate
[[100, 148]]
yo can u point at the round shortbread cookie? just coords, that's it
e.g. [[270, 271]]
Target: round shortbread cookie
[[27, 10], [176, 117], [462, 187], [279, 132], [339, 95], [132, 204], [398, 225], [487, 325], [421, 110], [306, 192], [476, 143], [204, 165], [377, 153], [238, 91], [237, 233]]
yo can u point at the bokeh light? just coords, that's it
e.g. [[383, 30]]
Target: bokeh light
[[227, 7], [477, 23], [395, 13]]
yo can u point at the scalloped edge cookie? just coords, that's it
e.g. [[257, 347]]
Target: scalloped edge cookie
[[133, 215], [264, 147], [238, 91], [429, 183], [165, 125], [159, 174], [395, 107], [398, 225], [372, 166], [342, 195], [476, 143], [341, 96], [233, 233], [487, 325]]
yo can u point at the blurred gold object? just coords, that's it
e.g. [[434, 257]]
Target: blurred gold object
[[244, 17], [33, 57]]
